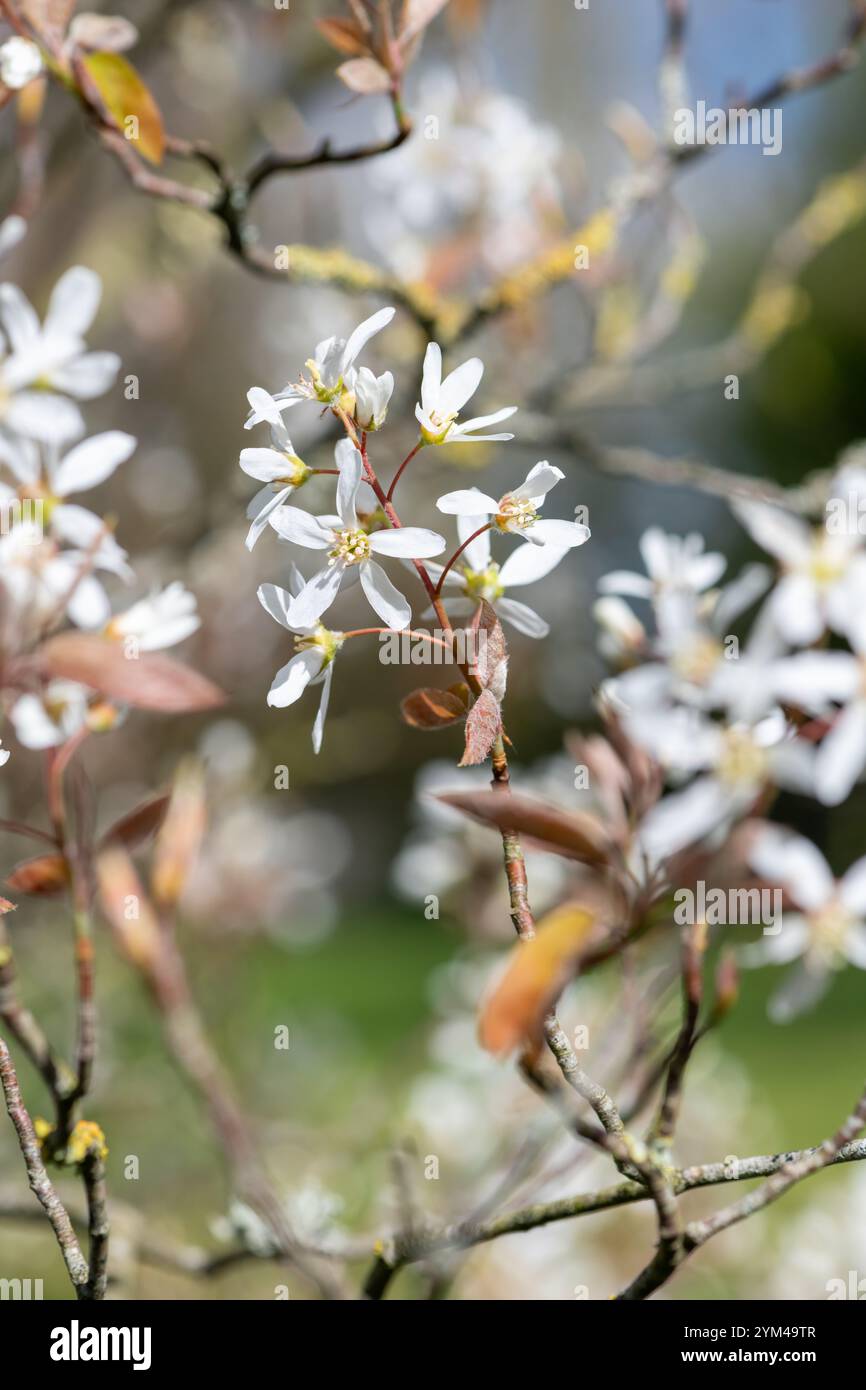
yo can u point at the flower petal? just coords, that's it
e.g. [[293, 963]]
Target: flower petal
[[295, 525], [459, 385], [73, 304], [563, 534], [18, 318], [519, 615], [477, 552], [470, 501], [261, 509], [351, 466], [322, 713], [781, 856], [92, 461], [842, 756], [431, 378], [276, 603], [530, 562], [316, 597], [86, 376], [266, 465], [363, 333], [291, 680], [388, 602], [539, 481], [410, 542]]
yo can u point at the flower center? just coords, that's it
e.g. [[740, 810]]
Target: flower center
[[742, 762], [352, 546], [696, 661], [296, 474], [515, 514], [829, 930], [484, 584], [437, 427], [826, 564], [323, 640]]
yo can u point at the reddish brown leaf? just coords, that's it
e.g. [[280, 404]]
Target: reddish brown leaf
[[570, 833], [364, 75], [514, 1011], [136, 825], [344, 34], [149, 681], [44, 875], [489, 649], [483, 726], [432, 709]]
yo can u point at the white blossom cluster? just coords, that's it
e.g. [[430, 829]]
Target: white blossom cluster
[[734, 725], [363, 530], [55, 552]]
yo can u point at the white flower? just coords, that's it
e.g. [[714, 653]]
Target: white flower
[[316, 647], [166, 617], [623, 637], [812, 680], [478, 578], [331, 372], [279, 468], [51, 357], [38, 582], [442, 401], [701, 664], [86, 465], [678, 569], [20, 63], [12, 230], [819, 568], [737, 762], [828, 930], [349, 545], [48, 720], [4, 755], [517, 512], [372, 394]]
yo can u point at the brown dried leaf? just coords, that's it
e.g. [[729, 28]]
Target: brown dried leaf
[[432, 709], [41, 876], [346, 35], [513, 1013], [136, 825], [149, 681], [483, 726], [364, 75], [570, 833]]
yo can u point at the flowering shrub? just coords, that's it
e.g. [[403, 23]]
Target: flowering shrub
[[652, 861]]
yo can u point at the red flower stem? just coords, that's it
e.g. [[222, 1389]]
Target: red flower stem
[[407, 460], [459, 551]]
